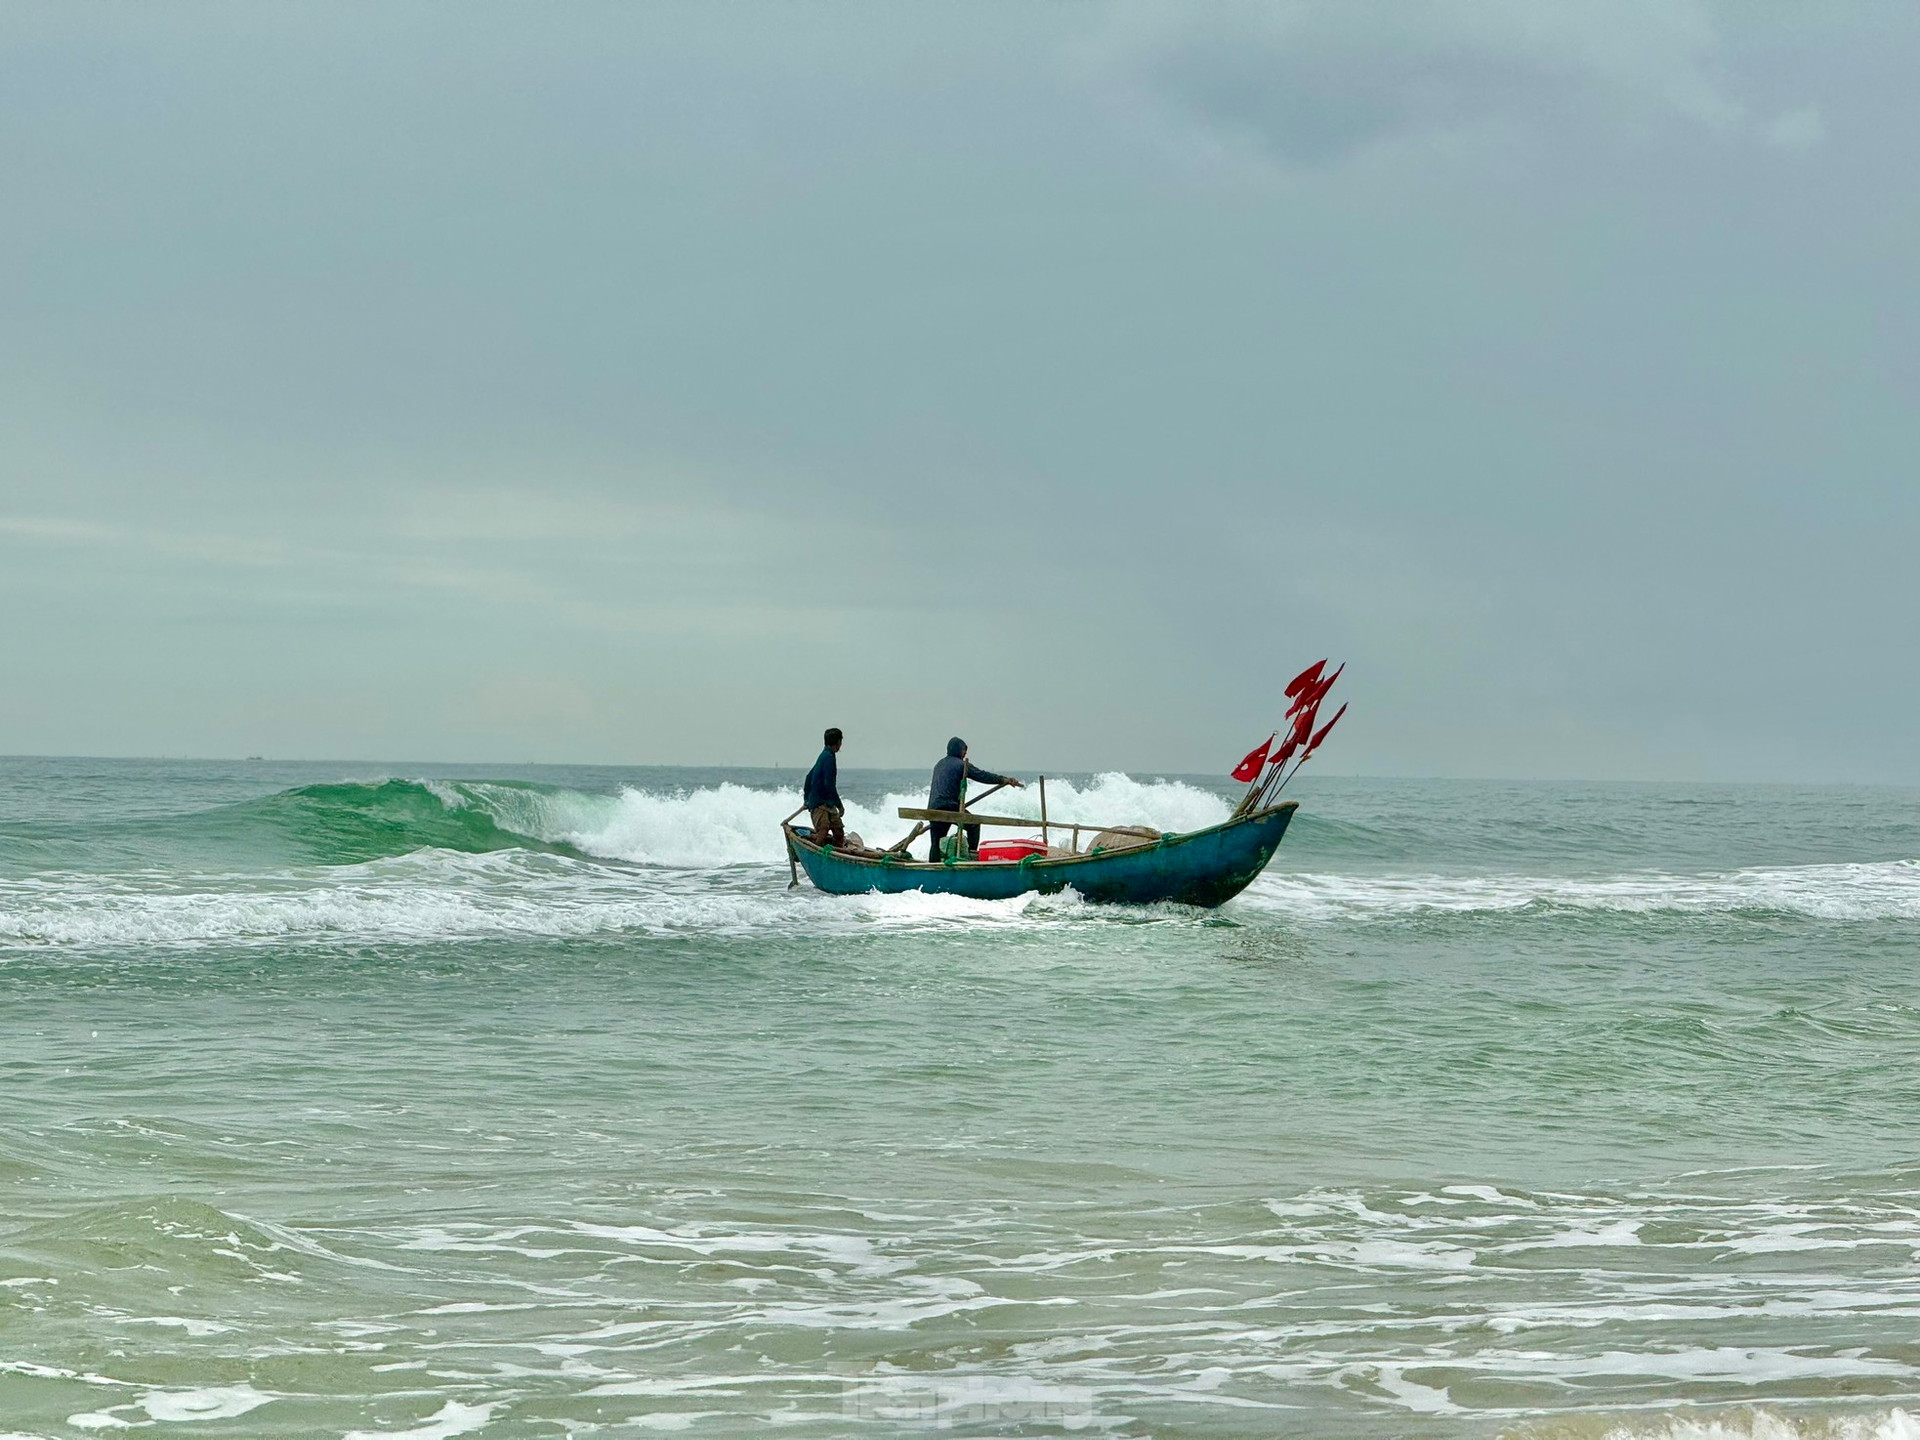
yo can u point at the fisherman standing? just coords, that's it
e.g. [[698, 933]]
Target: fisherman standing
[[822, 795], [948, 777]]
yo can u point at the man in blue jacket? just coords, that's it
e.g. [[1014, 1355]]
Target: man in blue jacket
[[945, 794], [822, 795]]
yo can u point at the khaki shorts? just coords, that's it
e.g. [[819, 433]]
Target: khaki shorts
[[827, 829]]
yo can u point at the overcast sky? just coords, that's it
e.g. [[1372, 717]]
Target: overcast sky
[[660, 383]]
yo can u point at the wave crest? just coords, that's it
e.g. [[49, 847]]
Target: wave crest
[[425, 861], [720, 825]]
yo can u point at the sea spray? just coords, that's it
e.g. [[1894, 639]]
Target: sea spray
[[734, 825]]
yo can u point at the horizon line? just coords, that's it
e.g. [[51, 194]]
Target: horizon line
[[897, 769]]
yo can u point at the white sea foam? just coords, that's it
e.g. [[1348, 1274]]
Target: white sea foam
[[211, 1402], [1481, 1301], [736, 825], [449, 1420], [855, 1252], [199, 1329], [1889, 890], [438, 895], [1476, 1301], [1762, 1424], [446, 895]]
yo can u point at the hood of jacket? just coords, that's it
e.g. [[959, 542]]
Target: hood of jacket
[[956, 747]]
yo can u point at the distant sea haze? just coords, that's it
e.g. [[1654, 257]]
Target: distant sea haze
[[356, 1100]]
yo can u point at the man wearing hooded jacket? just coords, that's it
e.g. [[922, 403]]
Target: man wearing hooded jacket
[[945, 794]]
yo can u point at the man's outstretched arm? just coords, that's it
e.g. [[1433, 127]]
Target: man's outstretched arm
[[987, 777]]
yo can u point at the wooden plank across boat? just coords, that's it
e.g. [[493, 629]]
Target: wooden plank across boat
[[1202, 867]]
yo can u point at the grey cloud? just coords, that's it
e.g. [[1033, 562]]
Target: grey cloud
[[1797, 130], [1316, 81]]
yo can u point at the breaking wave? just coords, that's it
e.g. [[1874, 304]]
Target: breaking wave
[[420, 861], [737, 825], [727, 824], [403, 861]]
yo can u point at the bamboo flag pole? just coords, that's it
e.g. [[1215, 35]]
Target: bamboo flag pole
[[1044, 839], [1253, 788]]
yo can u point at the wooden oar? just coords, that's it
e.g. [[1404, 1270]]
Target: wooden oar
[[984, 793], [1027, 822], [793, 860]]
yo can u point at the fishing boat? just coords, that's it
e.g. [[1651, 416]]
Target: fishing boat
[[1122, 864]]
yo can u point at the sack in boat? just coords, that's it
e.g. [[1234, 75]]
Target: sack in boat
[[1124, 839]]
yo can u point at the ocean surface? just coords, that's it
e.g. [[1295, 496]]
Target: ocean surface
[[415, 1101]]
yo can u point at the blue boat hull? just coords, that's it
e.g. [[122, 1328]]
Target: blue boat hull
[[1206, 867]]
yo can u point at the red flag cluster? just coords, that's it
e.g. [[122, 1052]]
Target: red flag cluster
[[1304, 694], [1312, 692]]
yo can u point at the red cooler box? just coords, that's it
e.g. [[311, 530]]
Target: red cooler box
[[1011, 849]]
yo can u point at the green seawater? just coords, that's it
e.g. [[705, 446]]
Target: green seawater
[[355, 1100]]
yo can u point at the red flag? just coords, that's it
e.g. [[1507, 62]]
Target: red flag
[[1316, 692], [1285, 752], [1256, 761], [1303, 727], [1305, 678], [1321, 733]]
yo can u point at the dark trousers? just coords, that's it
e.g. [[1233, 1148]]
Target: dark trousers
[[937, 831]]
